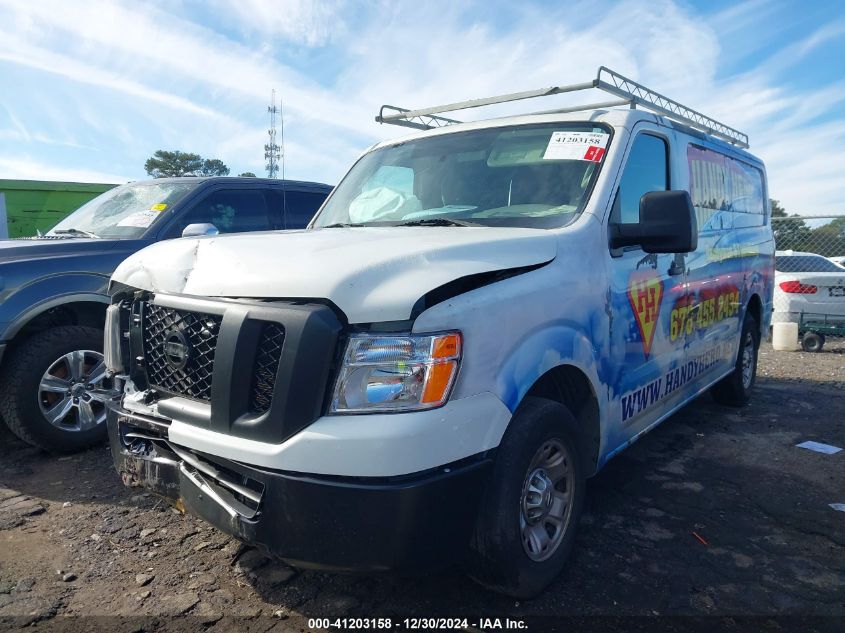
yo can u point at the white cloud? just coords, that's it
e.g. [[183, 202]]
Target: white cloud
[[17, 51], [307, 22], [109, 42], [196, 88], [26, 168]]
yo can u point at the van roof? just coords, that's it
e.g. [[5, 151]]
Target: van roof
[[614, 117], [643, 104]]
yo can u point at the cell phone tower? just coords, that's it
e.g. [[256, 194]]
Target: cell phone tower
[[272, 151]]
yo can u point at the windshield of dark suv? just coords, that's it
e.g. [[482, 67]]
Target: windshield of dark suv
[[537, 175], [123, 212]]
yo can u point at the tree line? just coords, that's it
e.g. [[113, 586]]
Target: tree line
[[176, 164], [793, 233]]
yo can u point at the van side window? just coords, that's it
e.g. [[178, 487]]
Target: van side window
[[647, 170], [708, 180], [300, 207], [230, 210], [747, 200], [726, 193]]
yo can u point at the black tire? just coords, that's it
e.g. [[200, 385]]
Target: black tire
[[812, 342], [498, 558], [23, 369], [734, 390]]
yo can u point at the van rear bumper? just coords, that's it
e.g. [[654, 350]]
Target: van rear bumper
[[412, 523]]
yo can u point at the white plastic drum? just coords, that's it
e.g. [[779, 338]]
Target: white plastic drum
[[785, 337]]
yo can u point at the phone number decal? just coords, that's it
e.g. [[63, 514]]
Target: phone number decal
[[698, 313]]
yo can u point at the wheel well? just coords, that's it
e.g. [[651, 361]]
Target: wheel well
[[89, 313], [571, 387], [755, 309]]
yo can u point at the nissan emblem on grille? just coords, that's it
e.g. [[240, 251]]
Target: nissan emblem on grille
[[177, 350], [170, 367]]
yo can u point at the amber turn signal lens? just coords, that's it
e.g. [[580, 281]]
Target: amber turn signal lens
[[438, 382], [448, 346]]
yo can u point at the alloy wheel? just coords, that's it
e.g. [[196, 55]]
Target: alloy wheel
[[71, 393]]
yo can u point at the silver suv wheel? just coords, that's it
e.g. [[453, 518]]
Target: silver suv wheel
[[71, 393]]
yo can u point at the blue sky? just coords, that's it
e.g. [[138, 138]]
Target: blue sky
[[91, 89]]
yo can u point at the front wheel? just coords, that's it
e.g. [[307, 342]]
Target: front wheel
[[735, 389], [532, 504], [51, 389]]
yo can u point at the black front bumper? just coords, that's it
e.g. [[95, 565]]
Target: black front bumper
[[411, 523]]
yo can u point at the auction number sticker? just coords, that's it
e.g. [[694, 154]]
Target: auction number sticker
[[589, 146]]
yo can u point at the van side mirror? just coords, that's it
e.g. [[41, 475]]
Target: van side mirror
[[199, 229], [667, 225]]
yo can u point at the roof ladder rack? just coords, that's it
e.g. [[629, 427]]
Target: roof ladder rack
[[422, 122], [630, 93]]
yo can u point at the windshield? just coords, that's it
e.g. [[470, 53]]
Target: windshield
[[528, 176], [123, 212]]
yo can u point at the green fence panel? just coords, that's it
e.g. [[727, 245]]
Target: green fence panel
[[35, 205]]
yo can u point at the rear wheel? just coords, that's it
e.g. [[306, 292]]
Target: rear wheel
[[51, 389], [812, 342], [735, 389], [532, 504]]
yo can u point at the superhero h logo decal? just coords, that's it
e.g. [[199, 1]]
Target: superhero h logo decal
[[645, 293]]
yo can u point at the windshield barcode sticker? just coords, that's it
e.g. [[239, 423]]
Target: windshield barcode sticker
[[588, 146]]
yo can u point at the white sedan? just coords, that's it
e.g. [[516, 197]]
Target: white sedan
[[809, 288]]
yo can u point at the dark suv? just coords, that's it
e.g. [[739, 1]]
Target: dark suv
[[53, 290]]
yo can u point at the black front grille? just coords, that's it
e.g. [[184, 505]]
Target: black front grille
[[266, 365], [200, 331]]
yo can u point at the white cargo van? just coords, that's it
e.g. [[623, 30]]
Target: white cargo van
[[480, 316]]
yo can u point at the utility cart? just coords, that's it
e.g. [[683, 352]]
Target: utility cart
[[813, 328]]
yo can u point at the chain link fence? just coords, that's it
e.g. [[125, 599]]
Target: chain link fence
[[810, 279]]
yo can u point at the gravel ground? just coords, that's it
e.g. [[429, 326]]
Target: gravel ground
[[826, 367], [716, 512]]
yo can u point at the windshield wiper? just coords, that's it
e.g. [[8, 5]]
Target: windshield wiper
[[75, 232], [438, 222], [339, 225]]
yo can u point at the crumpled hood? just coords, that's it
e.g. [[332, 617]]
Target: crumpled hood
[[373, 274]]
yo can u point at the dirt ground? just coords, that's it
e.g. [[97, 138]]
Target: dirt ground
[[716, 512]]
